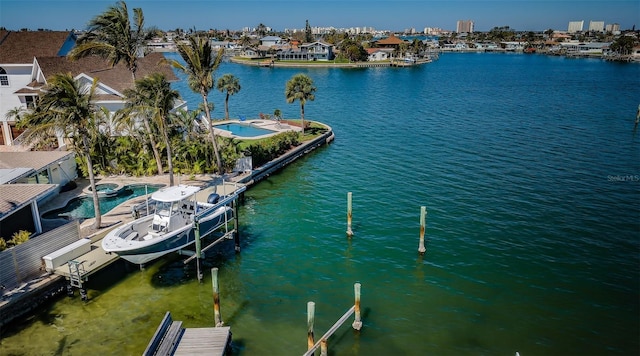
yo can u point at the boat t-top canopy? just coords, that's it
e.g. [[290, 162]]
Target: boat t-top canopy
[[175, 193]]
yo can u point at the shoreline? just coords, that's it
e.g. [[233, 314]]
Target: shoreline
[[22, 300]]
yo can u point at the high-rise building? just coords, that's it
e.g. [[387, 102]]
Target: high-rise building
[[575, 26], [464, 26], [596, 26], [614, 27]]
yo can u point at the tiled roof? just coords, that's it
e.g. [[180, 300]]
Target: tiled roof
[[14, 196], [21, 46], [31, 159], [391, 40], [118, 77]]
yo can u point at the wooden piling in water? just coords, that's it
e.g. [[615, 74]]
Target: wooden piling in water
[[349, 215], [311, 310], [198, 249], [236, 225], [216, 298], [423, 221], [323, 347], [357, 323]]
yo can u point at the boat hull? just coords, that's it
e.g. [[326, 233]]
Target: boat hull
[[143, 251]]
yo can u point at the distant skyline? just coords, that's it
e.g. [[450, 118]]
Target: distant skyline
[[520, 15]]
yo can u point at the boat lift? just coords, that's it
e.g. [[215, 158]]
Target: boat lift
[[228, 234]]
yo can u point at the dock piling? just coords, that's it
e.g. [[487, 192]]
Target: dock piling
[[357, 323], [423, 220], [198, 249], [216, 298], [349, 214], [311, 309], [236, 222]]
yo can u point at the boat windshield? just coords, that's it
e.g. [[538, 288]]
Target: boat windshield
[[163, 208]]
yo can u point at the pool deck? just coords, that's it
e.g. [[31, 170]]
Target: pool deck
[[267, 124]]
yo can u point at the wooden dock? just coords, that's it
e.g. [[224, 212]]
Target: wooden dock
[[172, 339], [92, 262]]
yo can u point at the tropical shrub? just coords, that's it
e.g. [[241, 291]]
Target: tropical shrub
[[265, 150]]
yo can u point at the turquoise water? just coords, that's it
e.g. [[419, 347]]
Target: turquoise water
[[82, 207], [241, 130], [528, 166]]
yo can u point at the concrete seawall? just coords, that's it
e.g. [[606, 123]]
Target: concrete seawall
[[277, 164]]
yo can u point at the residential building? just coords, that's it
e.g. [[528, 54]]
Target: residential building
[[29, 58], [18, 87], [464, 26], [379, 54], [28, 180], [575, 26], [389, 42], [316, 51]]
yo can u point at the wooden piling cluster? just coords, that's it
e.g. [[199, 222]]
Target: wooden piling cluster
[[423, 223], [322, 343]]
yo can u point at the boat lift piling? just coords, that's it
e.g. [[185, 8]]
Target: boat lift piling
[[228, 234], [423, 221], [357, 324]]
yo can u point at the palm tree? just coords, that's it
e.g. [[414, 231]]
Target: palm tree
[[231, 85], [201, 64], [114, 37], [136, 108], [110, 35], [66, 106], [300, 87], [153, 97]]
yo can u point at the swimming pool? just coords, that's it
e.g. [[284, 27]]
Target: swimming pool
[[242, 130], [82, 207]]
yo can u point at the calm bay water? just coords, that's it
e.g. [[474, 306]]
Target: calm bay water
[[529, 167]]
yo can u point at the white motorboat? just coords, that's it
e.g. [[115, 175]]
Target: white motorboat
[[171, 227]]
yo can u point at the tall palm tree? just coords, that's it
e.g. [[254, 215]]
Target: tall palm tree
[[231, 85], [300, 87], [112, 36], [66, 106], [200, 66], [136, 108], [153, 97]]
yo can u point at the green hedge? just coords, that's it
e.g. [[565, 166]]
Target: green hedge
[[265, 150]]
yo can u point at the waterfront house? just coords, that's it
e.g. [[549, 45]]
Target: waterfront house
[[18, 87], [28, 180], [512, 46], [32, 57], [390, 42], [316, 51], [269, 41], [379, 54]]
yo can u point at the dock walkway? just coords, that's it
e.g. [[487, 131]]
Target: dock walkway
[[172, 339]]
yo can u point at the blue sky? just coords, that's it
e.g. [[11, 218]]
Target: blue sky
[[396, 15]]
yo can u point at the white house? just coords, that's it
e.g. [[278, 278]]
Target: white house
[[316, 51], [17, 62], [30, 58], [271, 41], [379, 54]]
